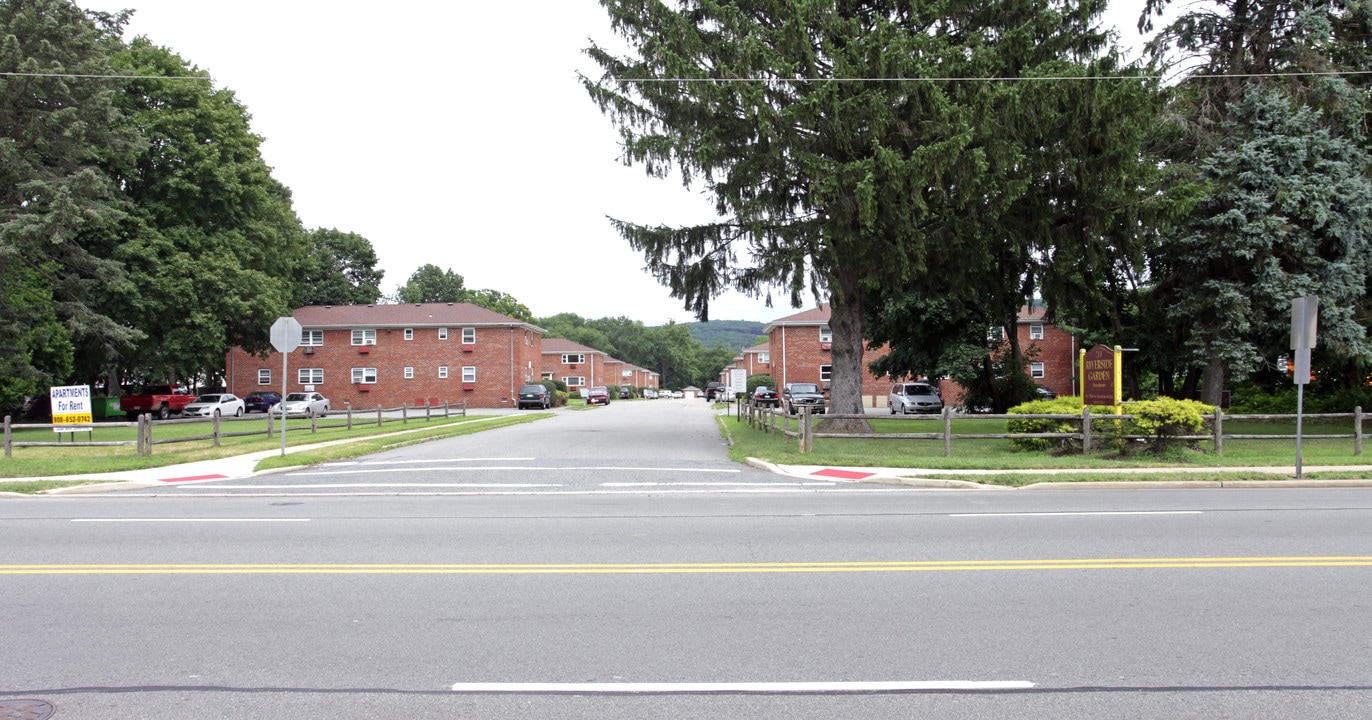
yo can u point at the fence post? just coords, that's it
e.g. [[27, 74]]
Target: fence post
[[9, 449], [807, 443], [216, 429], [147, 423], [1086, 430], [404, 414], [947, 431], [270, 420], [314, 424], [1357, 431], [464, 408], [350, 416], [138, 432], [378, 416], [1219, 432], [428, 407]]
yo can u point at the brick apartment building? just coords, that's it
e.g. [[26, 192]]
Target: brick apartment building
[[636, 376], [370, 355], [799, 351], [576, 365]]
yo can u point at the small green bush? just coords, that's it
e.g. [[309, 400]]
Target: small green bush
[[1059, 406], [754, 381], [1166, 418]]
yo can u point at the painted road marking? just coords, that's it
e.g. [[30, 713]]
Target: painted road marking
[[230, 520], [319, 486], [621, 688], [524, 468], [1081, 514], [687, 568]]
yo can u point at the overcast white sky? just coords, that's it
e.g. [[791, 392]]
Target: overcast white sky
[[452, 133]]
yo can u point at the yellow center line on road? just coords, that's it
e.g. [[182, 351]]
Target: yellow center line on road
[[685, 568]]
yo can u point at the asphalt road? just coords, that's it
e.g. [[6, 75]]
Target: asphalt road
[[656, 603]]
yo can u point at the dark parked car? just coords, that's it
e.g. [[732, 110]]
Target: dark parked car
[[598, 395], [796, 396], [534, 396], [764, 396], [261, 401], [625, 392], [1045, 393], [714, 390]]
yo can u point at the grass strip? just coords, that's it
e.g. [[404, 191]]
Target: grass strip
[[369, 446]]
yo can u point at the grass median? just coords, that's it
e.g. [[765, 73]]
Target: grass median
[[1000, 454]]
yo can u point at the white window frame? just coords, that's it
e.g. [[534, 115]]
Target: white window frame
[[443, 333], [547, 376], [409, 373], [826, 334], [469, 336], [567, 358], [364, 337], [826, 373], [442, 372], [1036, 331], [468, 373], [264, 376], [1036, 370], [309, 376], [311, 338], [364, 376], [764, 358], [409, 333], [572, 381]]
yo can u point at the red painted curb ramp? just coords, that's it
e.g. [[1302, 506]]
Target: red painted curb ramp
[[842, 474], [194, 477]]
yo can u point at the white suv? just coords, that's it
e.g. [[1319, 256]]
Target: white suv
[[914, 397]]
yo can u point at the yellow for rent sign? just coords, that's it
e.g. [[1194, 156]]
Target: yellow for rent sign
[[71, 407]]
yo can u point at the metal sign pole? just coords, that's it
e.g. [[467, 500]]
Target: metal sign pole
[[284, 357], [1305, 312]]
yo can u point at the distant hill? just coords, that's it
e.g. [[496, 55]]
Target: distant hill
[[738, 334]]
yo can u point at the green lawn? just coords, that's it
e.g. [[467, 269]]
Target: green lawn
[[999, 454]]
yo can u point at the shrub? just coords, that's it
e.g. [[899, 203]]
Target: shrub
[[1059, 406], [754, 381], [1166, 418]]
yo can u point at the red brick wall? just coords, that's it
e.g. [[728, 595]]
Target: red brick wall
[[1056, 350], [504, 358], [804, 354], [593, 370]]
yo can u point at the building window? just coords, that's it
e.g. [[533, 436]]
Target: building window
[[573, 358], [468, 336], [1036, 332], [442, 372], [764, 358], [826, 335], [312, 338], [572, 381], [264, 377], [364, 375], [547, 376], [409, 333], [824, 372], [1036, 370], [409, 373], [468, 373], [310, 376], [363, 337], [443, 333]]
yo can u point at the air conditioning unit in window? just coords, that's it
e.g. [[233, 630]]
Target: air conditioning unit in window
[[309, 350]]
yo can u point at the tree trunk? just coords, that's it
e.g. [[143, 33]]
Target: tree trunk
[[1212, 383], [846, 370]]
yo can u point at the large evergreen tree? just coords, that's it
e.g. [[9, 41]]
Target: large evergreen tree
[[841, 159], [56, 206]]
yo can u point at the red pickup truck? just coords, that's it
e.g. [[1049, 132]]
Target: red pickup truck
[[160, 400]]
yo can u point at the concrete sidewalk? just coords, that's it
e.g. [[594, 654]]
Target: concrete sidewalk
[[225, 468], [1284, 476]]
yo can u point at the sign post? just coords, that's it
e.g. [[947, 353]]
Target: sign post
[[1305, 312], [286, 334]]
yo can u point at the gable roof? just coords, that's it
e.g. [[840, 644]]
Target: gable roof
[[405, 315], [814, 316], [759, 348], [553, 346]]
